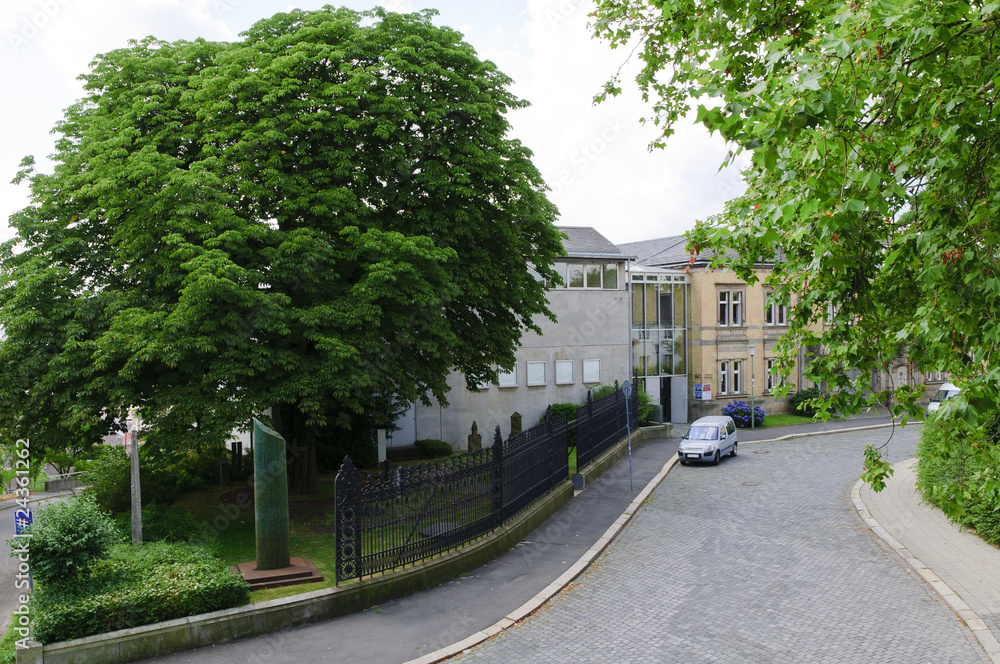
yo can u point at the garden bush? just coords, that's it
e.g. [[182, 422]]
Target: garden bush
[[569, 411], [646, 402], [67, 538], [434, 448], [108, 481], [137, 585], [956, 470], [163, 475], [744, 414], [800, 401]]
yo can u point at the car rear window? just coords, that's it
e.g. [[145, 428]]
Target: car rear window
[[703, 433]]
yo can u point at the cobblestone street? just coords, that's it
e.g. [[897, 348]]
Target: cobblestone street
[[761, 559]]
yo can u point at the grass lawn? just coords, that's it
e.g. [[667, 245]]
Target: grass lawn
[[229, 512], [784, 419]]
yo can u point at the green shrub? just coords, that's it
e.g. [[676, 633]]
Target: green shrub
[[800, 401], [137, 586], [956, 470], [108, 479], [434, 448], [646, 403], [165, 524], [163, 475], [67, 538], [569, 410]]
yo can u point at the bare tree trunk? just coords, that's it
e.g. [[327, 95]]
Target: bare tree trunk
[[300, 446]]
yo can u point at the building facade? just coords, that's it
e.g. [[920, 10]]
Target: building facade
[[587, 346], [731, 331]]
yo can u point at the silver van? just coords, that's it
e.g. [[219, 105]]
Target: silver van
[[708, 439], [946, 391]]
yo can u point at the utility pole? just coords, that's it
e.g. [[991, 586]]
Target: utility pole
[[133, 428], [753, 413]]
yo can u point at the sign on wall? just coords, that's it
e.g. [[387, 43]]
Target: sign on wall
[[703, 391]]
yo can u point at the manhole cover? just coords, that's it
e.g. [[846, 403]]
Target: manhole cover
[[751, 484], [761, 452]]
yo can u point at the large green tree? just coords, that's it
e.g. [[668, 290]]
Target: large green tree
[[324, 218], [872, 136]]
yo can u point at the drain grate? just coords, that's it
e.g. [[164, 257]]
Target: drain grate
[[751, 484], [761, 452]]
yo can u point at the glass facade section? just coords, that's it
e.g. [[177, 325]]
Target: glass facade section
[[659, 308]]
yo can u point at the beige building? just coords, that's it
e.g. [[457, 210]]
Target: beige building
[[732, 328]]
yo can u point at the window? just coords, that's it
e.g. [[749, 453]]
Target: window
[[611, 276], [591, 371], [774, 379], [730, 377], [592, 276], [774, 313], [507, 377], [731, 308], [564, 372], [536, 373]]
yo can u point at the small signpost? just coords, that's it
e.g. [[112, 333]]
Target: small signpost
[[627, 391]]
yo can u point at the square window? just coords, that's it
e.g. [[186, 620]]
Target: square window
[[536, 373], [591, 371], [593, 276], [611, 276], [507, 377], [564, 372]]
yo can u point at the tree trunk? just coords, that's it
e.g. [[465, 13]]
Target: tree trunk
[[300, 446]]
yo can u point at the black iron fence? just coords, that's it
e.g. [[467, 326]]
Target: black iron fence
[[601, 422], [412, 513]]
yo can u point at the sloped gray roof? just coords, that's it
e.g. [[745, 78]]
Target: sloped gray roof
[[585, 242], [670, 252]]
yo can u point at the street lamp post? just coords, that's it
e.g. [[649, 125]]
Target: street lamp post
[[753, 413], [133, 429]]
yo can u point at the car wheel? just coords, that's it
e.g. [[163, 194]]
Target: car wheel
[[733, 453], [715, 461], [683, 462]]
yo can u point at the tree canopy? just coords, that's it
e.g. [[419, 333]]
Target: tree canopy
[[872, 136], [324, 218]]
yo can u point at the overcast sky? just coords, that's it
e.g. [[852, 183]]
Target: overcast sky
[[595, 159]]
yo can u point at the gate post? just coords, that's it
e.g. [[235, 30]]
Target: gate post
[[497, 450], [550, 447], [347, 521]]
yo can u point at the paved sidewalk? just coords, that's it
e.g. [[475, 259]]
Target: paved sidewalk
[[957, 563]]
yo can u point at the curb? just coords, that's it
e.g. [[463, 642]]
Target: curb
[[32, 500], [971, 619], [556, 586], [822, 433]]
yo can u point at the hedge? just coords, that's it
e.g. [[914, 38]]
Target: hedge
[[137, 585]]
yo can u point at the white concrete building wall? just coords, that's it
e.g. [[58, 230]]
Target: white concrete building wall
[[591, 325]]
